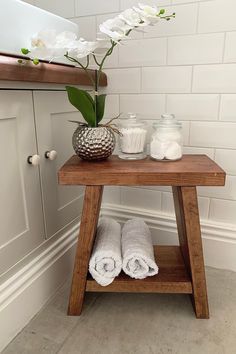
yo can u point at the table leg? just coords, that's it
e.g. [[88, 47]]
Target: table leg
[[88, 226], [188, 224]]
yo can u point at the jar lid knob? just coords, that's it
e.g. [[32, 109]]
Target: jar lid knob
[[168, 116], [168, 120], [131, 115]]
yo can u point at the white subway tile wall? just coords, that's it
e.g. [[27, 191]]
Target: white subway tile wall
[[217, 78], [59, 7], [213, 134], [87, 27], [140, 52], [168, 205], [230, 47], [148, 106], [112, 106], [194, 106], [223, 211], [129, 3], [226, 159], [124, 80], [217, 16], [228, 108], [111, 195], [168, 79], [199, 151], [141, 198], [196, 49], [186, 66], [92, 7], [228, 192]]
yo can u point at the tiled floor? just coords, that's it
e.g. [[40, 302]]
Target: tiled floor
[[135, 323]]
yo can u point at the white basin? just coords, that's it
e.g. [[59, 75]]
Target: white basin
[[19, 21]]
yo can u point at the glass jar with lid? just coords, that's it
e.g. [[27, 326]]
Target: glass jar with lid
[[132, 139], [167, 139]]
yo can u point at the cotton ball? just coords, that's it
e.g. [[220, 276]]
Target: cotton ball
[[158, 149], [174, 151]]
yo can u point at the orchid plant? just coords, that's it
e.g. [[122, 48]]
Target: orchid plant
[[50, 45]]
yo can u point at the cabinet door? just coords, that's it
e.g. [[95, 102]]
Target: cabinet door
[[21, 217], [62, 204]]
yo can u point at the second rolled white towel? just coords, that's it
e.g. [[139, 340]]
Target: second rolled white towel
[[106, 263], [137, 250]]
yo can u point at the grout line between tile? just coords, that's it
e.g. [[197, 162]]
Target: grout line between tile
[[197, 22], [224, 47], [219, 108]]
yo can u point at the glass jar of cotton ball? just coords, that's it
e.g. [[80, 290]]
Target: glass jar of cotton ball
[[167, 139], [132, 139]]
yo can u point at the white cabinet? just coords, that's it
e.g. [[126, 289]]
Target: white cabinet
[[33, 206], [61, 204], [21, 218]]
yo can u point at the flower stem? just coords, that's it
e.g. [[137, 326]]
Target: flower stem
[[96, 97], [168, 17], [108, 53], [85, 68], [95, 59]]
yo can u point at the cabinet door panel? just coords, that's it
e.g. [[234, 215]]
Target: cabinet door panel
[[21, 218], [62, 204]]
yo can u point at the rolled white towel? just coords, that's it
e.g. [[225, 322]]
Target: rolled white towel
[[106, 263], [137, 250]]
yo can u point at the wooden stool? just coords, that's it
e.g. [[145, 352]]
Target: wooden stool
[[181, 268]]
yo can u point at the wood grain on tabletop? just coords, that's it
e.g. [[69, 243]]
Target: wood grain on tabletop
[[191, 170]]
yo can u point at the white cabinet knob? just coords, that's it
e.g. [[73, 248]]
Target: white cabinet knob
[[34, 160], [51, 155]]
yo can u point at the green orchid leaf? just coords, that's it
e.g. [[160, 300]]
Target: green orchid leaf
[[101, 99], [89, 97], [82, 100]]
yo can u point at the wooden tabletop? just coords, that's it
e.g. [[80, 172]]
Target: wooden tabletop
[[191, 170]]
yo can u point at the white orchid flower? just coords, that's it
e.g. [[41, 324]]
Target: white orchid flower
[[83, 48], [103, 45], [115, 28], [44, 39], [66, 40], [131, 18], [45, 53], [48, 45], [148, 14]]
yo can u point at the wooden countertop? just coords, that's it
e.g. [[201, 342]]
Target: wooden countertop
[[11, 70]]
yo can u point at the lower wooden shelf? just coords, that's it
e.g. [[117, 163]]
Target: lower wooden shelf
[[172, 277]]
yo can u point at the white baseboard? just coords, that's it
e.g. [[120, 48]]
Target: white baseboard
[[219, 240], [26, 291]]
